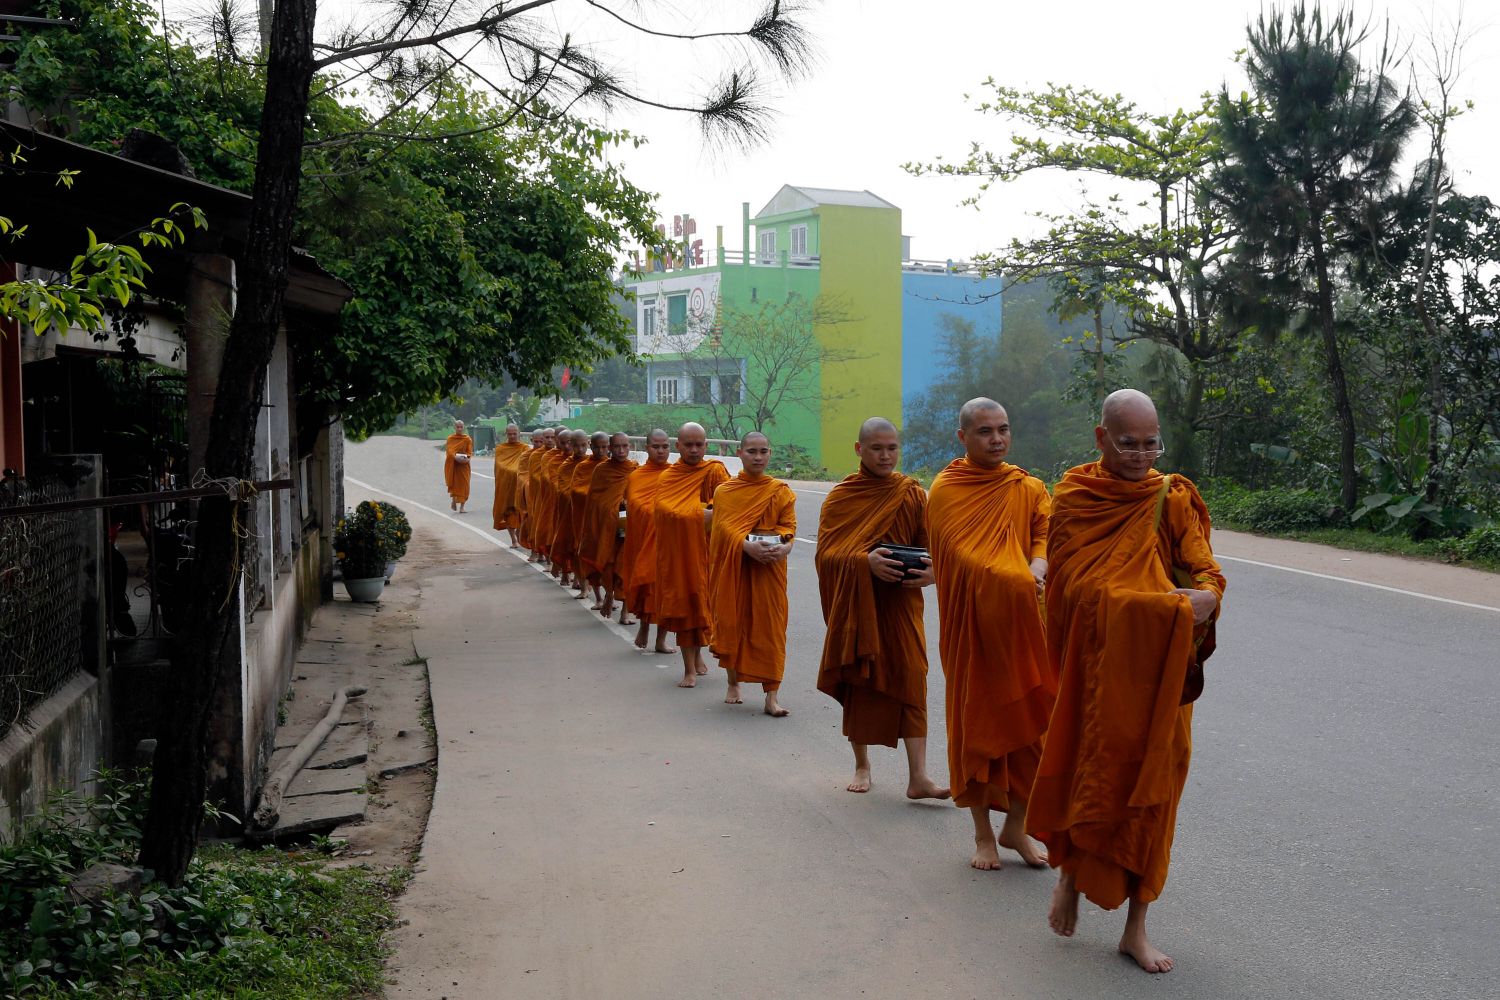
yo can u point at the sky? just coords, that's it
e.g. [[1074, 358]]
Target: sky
[[889, 87]]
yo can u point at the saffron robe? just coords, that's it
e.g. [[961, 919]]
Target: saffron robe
[[523, 496], [544, 486], [747, 599], [1105, 801], [597, 545], [578, 501], [682, 494], [456, 474], [984, 526], [565, 528], [875, 649], [504, 511], [637, 559]]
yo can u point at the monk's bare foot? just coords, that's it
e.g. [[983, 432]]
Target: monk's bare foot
[[1063, 916], [732, 695], [925, 788], [627, 620], [702, 669], [453, 505], [641, 636], [773, 708], [659, 648], [1146, 955], [596, 606], [461, 508], [607, 610], [688, 682], [861, 782], [1013, 837], [986, 857]]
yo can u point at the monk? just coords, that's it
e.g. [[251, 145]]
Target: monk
[[638, 555], [547, 528], [875, 649], [752, 529], [684, 499], [457, 451], [987, 530], [565, 532], [583, 480], [599, 548], [506, 511], [543, 442], [1133, 594], [523, 498]]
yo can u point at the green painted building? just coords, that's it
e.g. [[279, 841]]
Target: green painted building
[[808, 314]]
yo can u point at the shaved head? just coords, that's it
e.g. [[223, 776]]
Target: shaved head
[[692, 442], [753, 434], [878, 447], [1125, 404], [973, 408], [599, 436], [755, 454], [658, 446], [875, 425], [658, 433], [1128, 435]]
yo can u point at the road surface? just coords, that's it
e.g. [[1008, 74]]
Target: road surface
[[598, 832]]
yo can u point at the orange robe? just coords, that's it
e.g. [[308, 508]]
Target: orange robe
[[682, 493], [875, 648], [597, 545], [523, 496], [984, 526], [578, 502], [504, 511], [1105, 801], [544, 487], [747, 599], [565, 525], [637, 559], [456, 474]]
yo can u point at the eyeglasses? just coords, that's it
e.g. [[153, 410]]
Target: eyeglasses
[[1155, 449]]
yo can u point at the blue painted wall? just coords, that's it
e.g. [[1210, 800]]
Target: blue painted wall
[[925, 299]]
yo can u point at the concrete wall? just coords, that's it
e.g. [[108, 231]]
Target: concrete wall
[[271, 642], [61, 749]]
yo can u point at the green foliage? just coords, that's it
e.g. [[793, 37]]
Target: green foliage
[[1481, 544], [103, 276], [362, 543], [244, 925], [1273, 510]]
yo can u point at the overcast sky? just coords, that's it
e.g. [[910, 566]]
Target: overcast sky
[[890, 83]]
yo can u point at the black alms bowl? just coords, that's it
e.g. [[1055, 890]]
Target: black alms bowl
[[909, 556]]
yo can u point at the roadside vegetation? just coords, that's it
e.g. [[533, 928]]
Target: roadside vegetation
[[243, 924]]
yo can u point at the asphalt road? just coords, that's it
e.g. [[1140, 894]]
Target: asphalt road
[[1339, 837]]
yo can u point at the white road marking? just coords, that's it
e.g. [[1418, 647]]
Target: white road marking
[[611, 624], [1358, 583]]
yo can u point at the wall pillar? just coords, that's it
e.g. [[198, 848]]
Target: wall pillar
[[210, 304]]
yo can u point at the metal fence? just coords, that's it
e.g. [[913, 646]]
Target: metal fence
[[47, 570]]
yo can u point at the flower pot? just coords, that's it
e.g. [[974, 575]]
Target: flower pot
[[367, 590], [390, 570]]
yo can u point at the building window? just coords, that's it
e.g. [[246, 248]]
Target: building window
[[677, 314], [703, 389], [666, 390], [730, 388], [767, 247], [799, 241], [648, 317]]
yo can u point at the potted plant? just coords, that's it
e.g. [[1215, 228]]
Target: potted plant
[[362, 548], [392, 523]]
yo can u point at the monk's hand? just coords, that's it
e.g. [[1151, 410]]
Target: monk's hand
[[923, 579], [1204, 603], [1039, 573], [884, 568], [760, 551]]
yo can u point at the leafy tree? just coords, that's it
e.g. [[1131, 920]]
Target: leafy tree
[[1153, 254], [1308, 154]]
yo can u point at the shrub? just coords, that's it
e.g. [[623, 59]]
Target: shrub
[[1274, 509], [1481, 543], [361, 544], [395, 527]]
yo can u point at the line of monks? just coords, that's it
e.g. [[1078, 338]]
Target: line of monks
[[1072, 625]]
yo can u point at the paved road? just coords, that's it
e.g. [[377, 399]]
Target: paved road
[[598, 832]]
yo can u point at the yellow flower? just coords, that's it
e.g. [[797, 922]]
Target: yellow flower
[[378, 515], [342, 555]]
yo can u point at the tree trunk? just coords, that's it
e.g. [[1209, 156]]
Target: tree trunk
[[210, 647], [1185, 428], [1343, 411], [1434, 342]]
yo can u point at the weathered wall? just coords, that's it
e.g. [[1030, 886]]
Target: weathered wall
[[61, 749]]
